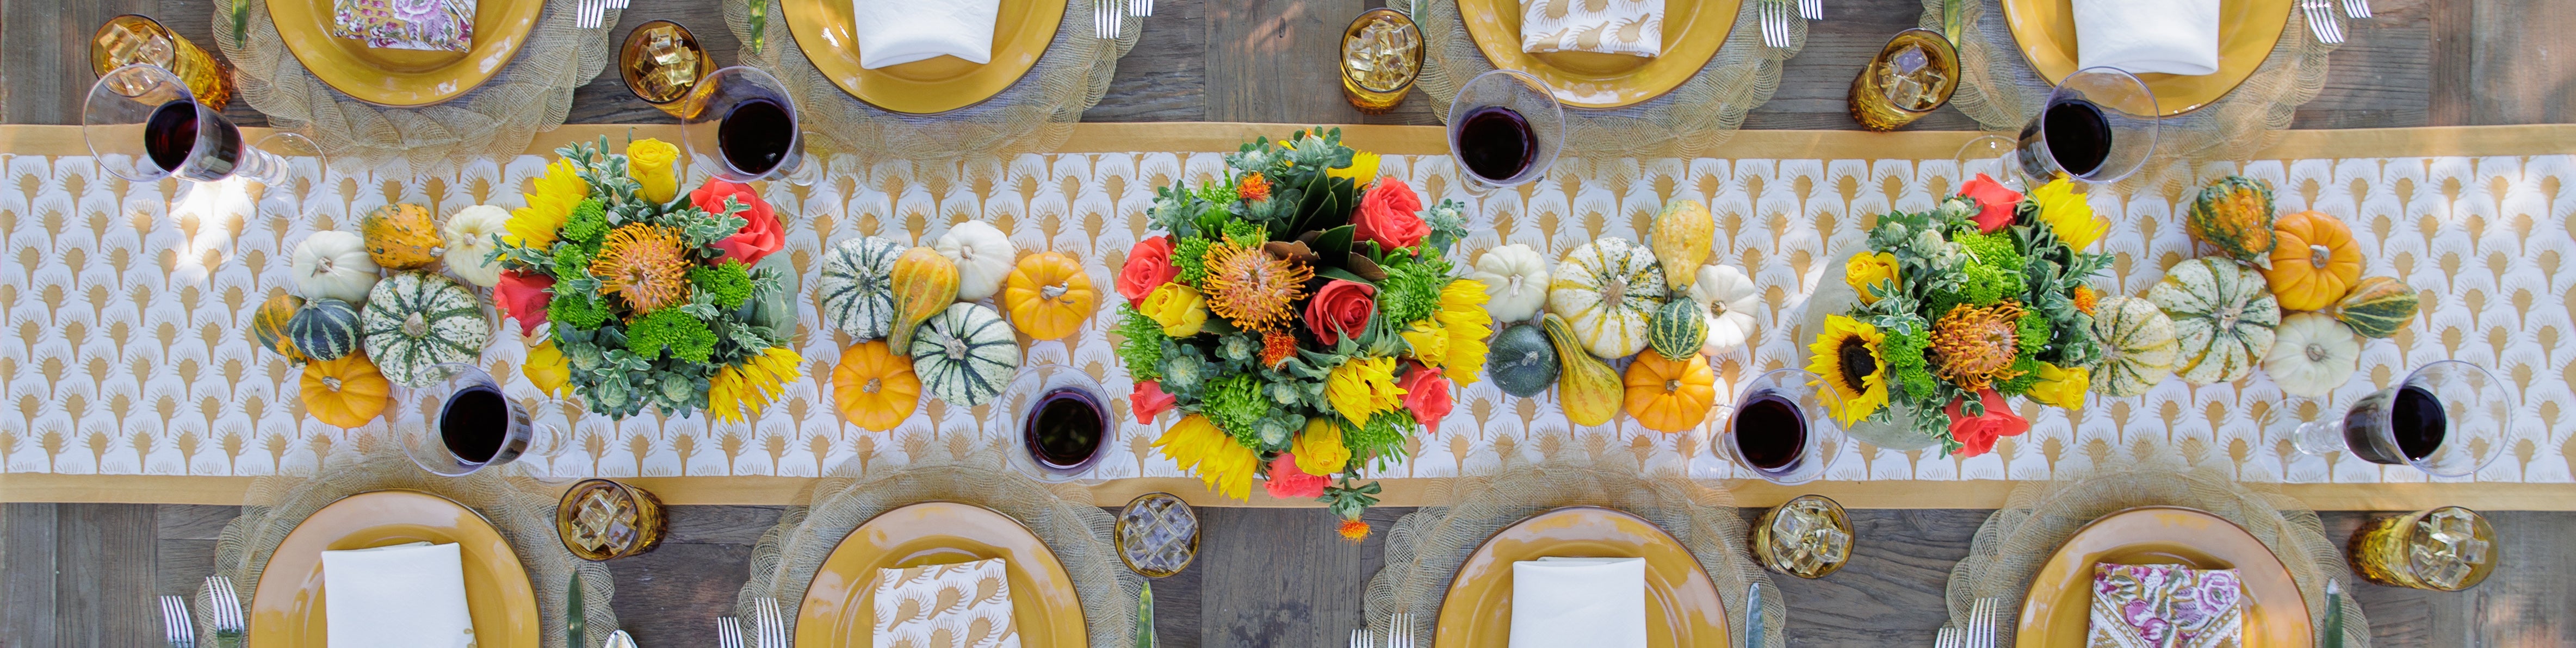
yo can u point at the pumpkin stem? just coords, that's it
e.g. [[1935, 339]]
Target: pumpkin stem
[[331, 383], [415, 325], [1672, 385], [1615, 292], [2316, 352], [873, 384], [1717, 308], [1052, 292], [2319, 256], [956, 349]]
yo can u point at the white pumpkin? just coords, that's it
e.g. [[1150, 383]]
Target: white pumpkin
[[334, 265], [1515, 279], [2312, 354], [468, 239], [984, 257], [1730, 299], [1607, 290]]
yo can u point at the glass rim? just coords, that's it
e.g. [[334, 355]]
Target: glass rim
[[2153, 117], [2387, 416], [1458, 108]]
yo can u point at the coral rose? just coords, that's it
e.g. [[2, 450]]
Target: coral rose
[[523, 296], [1976, 435], [1287, 482], [1340, 308], [1389, 214], [1995, 204], [760, 233], [1426, 394], [1149, 266], [1149, 401]]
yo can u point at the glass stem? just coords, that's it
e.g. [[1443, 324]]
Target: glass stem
[[2318, 438]]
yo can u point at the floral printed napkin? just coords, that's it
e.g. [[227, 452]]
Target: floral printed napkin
[[2165, 606], [962, 605], [405, 24]]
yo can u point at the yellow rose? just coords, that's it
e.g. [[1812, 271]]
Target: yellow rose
[[547, 369], [1319, 449], [648, 161], [1430, 344], [2061, 386], [1178, 308], [2068, 214], [1866, 269]]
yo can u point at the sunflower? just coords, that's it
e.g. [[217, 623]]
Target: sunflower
[[739, 391], [1847, 356], [1462, 315], [645, 264], [1225, 466], [1974, 346], [1360, 387], [1363, 169], [1251, 288], [2066, 213], [556, 193]]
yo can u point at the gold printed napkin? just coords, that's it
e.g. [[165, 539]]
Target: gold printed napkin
[[2165, 606], [962, 605], [1633, 27]]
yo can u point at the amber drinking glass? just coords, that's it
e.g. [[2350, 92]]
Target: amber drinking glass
[[1912, 76]]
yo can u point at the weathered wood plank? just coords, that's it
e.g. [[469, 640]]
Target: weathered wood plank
[[27, 575], [2522, 56], [1165, 76], [1272, 61], [106, 560]]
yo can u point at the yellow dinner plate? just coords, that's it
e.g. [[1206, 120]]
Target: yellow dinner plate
[[2247, 30], [1693, 30], [825, 30], [2058, 608], [286, 609], [839, 607], [395, 77], [1682, 606]]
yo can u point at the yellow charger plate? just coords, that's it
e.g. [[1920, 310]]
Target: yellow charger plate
[[825, 30], [1693, 30], [1682, 605], [2247, 30], [395, 77], [286, 608], [839, 607], [2058, 608]]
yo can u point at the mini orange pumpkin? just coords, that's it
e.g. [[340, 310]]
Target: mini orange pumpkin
[[344, 392], [875, 387], [1048, 295], [2315, 262], [1670, 395]]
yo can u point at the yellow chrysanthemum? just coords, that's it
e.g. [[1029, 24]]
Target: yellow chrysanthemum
[[1846, 355], [1864, 270], [648, 161], [737, 392], [2061, 386], [1462, 314], [2066, 212], [546, 368], [1319, 449], [1201, 448], [1363, 169], [549, 205], [1363, 386], [1430, 344]]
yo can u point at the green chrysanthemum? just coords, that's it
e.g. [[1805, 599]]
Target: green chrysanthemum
[[1411, 292], [1189, 256], [579, 312], [1994, 249], [1141, 349], [686, 337], [1236, 404], [729, 282], [1382, 438], [588, 222]]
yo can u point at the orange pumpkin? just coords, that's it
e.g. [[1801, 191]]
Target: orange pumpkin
[[875, 387], [344, 392], [1048, 295], [1670, 395], [2315, 263]]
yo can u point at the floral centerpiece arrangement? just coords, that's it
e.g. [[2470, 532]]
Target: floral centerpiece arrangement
[[1300, 315], [651, 296], [1960, 308]]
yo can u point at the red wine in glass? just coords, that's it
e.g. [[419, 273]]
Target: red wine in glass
[[2073, 134], [755, 136], [479, 426], [1770, 433], [1064, 431], [1496, 143], [2413, 418], [175, 133]]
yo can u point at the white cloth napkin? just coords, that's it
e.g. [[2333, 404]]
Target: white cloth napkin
[[400, 596], [895, 32], [1587, 602], [1632, 27], [2141, 36], [962, 605]]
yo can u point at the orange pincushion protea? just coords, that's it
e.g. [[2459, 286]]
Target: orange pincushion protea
[[2085, 299], [1354, 530], [1252, 288], [1276, 347], [1252, 187], [1974, 346], [643, 264]]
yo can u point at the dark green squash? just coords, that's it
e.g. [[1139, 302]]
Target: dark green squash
[[1521, 361]]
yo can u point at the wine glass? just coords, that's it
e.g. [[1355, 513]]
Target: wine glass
[[2448, 419], [469, 425], [1989, 154], [1504, 130], [2099, 125], [1780, 427], [743, 118], [142, 123], [1052, 405]]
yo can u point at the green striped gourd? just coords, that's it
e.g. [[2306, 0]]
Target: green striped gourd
[[324, 329], [856, 289], [965, 355], [415, 321], [2378, 306], [2223, 315], [2137, 342], [1677, 329]]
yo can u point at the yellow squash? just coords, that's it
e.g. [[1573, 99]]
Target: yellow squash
[[1683, 233], [1048, 296], [925, 283], [1586, 388]]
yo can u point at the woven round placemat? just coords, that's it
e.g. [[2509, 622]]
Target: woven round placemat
[[1426, 547], [1691, 121], [532, 93], [1999, 88], [523, 509], [2019, 538], [970, 472], [1034, 115]]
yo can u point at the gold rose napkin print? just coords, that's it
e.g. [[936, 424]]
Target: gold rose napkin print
[[962, 605], [127, 345], [2165, 606], [1632, 27], [438, 25]]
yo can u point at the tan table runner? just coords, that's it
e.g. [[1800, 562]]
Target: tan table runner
[[128, 354]]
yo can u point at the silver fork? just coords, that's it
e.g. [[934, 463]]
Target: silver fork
[[1775, 22], [1108, 17], [1983, 621], [1948, 638], [225, 604], [1811, 9], [1363, 638], [728, 632], [1400, 631], [768, 623], [2321, 21], [2354, 8], [176, 625]]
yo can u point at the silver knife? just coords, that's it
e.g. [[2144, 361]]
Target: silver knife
[[1753, 630]]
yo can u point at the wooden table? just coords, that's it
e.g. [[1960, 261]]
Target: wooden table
[[85, 574]]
